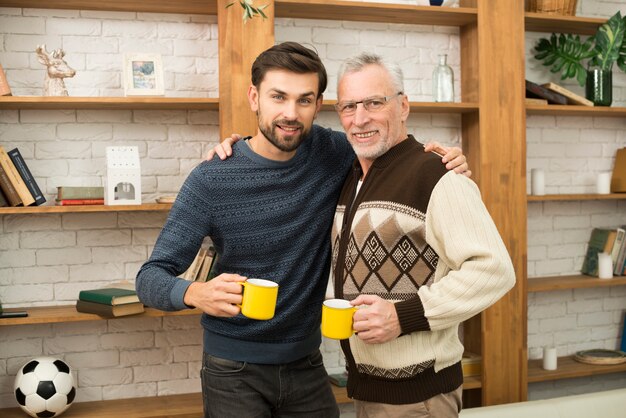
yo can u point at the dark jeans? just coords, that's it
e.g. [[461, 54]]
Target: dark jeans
[[244, 390]]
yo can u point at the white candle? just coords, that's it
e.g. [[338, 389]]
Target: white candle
[[549, 358], [537, 182], [603, 183], [605, 266]]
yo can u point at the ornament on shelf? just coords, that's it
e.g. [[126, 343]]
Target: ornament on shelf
[[56, 70], [123, 181]]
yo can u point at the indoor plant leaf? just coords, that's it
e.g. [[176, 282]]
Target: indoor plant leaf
[[609, 38], [564, 54]]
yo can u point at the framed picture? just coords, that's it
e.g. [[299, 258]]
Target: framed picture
[[143, 75]]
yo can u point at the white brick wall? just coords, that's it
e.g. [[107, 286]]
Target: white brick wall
[[47, 259]]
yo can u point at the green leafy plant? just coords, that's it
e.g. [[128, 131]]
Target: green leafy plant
[[249, 11], [566, 53]]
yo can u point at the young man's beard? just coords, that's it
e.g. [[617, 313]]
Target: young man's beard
[[287, 143]]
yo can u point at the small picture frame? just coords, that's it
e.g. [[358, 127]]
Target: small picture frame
[[143, 75]]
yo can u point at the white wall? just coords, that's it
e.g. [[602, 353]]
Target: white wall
[[48, 259]]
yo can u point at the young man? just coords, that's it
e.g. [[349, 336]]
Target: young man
[[268, 210], [415, 245]]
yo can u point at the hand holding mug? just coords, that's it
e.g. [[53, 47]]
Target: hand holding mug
[[217, 297], [378, 322]]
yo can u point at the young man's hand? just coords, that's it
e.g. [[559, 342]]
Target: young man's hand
[[217, 297], [452, 157]]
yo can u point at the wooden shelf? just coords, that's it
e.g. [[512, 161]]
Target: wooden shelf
[[104, 103], [188, 405], [68, 313], [205, 7], [375, 12], [573, 110], [145, 207], [568, 368], [582, 196], [424, 107], [543, 22], [578, 281]]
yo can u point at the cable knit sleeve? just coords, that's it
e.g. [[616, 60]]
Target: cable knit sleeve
[[181, 237], [477, 269]]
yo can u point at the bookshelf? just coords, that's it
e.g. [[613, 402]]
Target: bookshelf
[[573, 197], [568, 368], [104, 103]]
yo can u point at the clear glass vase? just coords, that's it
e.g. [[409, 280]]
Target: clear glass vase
[[443, 81]]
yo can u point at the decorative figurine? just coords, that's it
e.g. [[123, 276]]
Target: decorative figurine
[[57, 70]]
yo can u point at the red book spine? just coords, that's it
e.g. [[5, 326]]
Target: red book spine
[[72, 202]]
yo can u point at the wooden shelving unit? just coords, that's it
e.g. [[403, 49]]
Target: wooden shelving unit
[[104, 103], [68, 313], [568, 368], [578, 281], [146, 207], [574, 197], [204, 7]]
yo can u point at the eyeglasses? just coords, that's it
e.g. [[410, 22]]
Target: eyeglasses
[[371, 104]]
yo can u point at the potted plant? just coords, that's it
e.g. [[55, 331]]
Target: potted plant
[[567, 54], [249, 10]]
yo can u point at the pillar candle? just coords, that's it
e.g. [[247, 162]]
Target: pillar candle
[[605, 266], [537, 182], [549, 358], [603, 183]]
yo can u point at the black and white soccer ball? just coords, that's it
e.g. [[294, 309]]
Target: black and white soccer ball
[[44, 387]]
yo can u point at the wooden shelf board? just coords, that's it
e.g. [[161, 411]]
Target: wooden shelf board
[[585, 196], [578, 281], [543, 22], [145, 207], [68, 313], [574, 110], [375, 12], [114, 103], [205, 7], [425, 107], [187, 405], [568, 368]]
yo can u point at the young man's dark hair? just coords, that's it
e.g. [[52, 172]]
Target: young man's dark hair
[[289, 56]]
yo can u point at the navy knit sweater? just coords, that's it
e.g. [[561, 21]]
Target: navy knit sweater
[[267, 219]]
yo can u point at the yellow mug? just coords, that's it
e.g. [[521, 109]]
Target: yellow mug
[[259, 298], [337, 319]]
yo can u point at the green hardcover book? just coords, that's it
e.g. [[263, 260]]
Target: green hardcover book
[[109, 311], [109, 296], [80, 192], [597, 244]]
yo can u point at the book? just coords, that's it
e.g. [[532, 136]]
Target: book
[[80, 192], [621, 257], [26, 175], [15, 178], [207, 263], [536, 91], [572, 98], [471, 364], [109, 296], [531, 101], [617, 245], [194, 267], [5, 89], [8, 190], [598, 242], [109, 311], [78, 202], [3, 200], [618, 178], [623, 345]]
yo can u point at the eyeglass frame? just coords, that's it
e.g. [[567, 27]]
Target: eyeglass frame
[[385, 99]]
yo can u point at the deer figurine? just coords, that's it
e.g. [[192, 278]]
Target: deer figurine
[[57, 70]]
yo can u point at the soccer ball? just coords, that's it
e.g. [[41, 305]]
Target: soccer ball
[[44, 387]]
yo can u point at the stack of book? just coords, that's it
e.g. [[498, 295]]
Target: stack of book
[[471, 364], [609, 241], [17, 185], [109, 302], [201, 268], [79, 195]]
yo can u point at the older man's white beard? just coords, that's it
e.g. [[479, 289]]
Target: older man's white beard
[[370, 152]]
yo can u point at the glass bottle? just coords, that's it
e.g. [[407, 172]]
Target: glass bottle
[[443, 81]]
